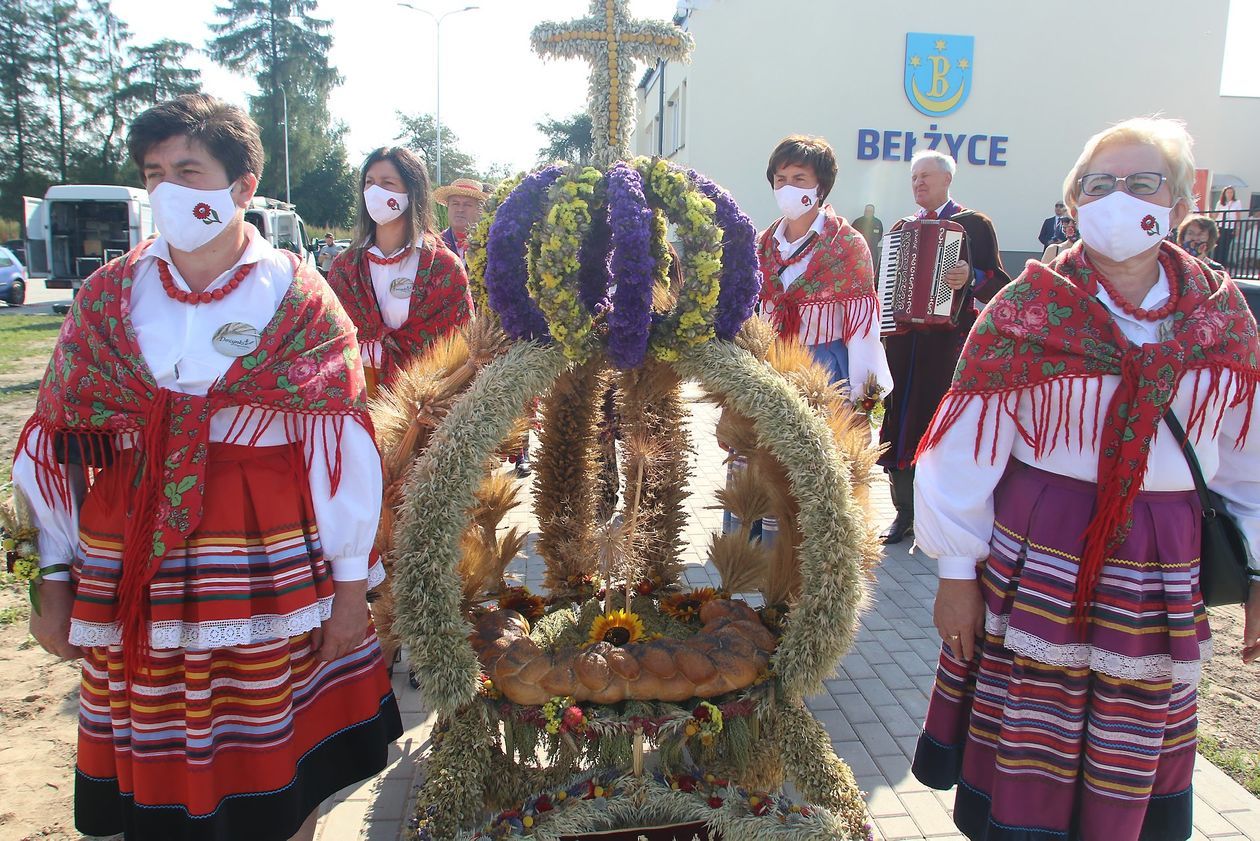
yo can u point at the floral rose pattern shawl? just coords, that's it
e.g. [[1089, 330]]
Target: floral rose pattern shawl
[[97, 387], [440, 303], [1047, 331], [839, 277]]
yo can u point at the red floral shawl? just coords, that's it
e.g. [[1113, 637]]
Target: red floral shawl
[[839, 275], [1045, 331], [98, 387], [440, 303]]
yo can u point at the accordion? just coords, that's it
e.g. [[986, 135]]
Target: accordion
[[912, 290]]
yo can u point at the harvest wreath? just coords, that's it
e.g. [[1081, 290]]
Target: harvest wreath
[[588, 707]]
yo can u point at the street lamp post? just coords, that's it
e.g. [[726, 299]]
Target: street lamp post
[[285, 97], [437, 71]]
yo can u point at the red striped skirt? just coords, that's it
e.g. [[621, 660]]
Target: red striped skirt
[[232, 728], [1056, 733]]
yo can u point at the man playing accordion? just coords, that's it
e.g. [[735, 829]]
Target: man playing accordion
[[922, 359]]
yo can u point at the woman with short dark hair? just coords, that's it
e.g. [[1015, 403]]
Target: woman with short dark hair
[[201, 469], [1198, 235], [400, 284], [818, 282]]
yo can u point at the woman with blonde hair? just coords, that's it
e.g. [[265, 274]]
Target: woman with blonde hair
[[399, 283], [1054, 493]]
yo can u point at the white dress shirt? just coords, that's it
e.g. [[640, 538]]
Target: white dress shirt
[[175, 340], [394, 308], [953, 490]]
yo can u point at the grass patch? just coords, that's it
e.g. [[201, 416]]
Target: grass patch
[[1242, 765], [24, 336], [14, 614]]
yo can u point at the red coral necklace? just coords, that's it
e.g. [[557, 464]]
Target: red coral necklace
[[388, 261], [172, 291], [797, 256], [1141, 313]]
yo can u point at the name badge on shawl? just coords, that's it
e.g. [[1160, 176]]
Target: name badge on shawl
[[400, 287], [236, 338]]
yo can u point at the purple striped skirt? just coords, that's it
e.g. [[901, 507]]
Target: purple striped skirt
[[1061, 731]]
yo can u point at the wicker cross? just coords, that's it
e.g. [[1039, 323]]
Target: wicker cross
[[611, 40]]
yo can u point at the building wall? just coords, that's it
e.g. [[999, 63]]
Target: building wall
[[1045, 75]]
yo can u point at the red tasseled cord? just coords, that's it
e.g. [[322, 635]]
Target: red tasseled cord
[[138, 562]]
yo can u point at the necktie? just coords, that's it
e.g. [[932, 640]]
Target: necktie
[[932, 214]]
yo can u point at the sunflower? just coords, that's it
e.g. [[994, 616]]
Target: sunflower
[[523, 602], [619, 628], [686, 606]]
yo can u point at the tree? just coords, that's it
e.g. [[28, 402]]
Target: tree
[[286, 48], [159, 72], [567, 140], [24, 121], [326, 195], [113, 104], [419, 134], [66, 36]]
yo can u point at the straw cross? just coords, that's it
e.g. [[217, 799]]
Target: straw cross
[[611, 40]]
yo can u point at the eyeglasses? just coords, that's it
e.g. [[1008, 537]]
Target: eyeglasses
[[1137, 184]]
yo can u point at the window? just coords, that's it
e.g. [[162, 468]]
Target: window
[[675, 120]]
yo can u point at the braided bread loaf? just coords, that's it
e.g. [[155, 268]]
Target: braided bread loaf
[[728, 653]]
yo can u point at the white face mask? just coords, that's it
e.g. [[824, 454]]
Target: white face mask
[[188, 218], [1120, 226], [384, 206], [795, 202]]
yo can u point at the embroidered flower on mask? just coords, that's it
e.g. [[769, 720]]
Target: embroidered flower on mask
[[1150, 225], [392, 204], [205, 213]]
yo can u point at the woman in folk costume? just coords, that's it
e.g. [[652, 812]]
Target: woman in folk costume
[[818, 284], [1056, 497], [202, 470], [400, 285]]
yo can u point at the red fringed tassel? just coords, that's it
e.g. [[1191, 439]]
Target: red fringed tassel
[[861, 315], [139, 563]]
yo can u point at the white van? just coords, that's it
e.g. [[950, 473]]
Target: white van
[[77, 228], [280, 223]]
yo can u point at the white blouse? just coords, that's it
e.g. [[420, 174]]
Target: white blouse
[[866, 351], [392, 285], [953, 491], [175, 340]]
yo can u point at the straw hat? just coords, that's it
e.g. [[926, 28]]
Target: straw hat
[[460, 187]]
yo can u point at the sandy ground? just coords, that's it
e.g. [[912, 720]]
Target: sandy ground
[[39, 702], [1229, 696]]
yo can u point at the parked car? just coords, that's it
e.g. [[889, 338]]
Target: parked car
[[18, 247], [12, 279]]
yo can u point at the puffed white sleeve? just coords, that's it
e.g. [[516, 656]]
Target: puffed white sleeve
[[1237, 479], [58, 523], [347, 520], [867, 357], [953, 491]]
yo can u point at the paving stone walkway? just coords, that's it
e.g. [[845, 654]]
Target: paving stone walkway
[[873, 706]]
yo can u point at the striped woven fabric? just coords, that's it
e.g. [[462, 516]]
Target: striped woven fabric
[[237, 579], [231, 728], [1058, 731], [231, 743]]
